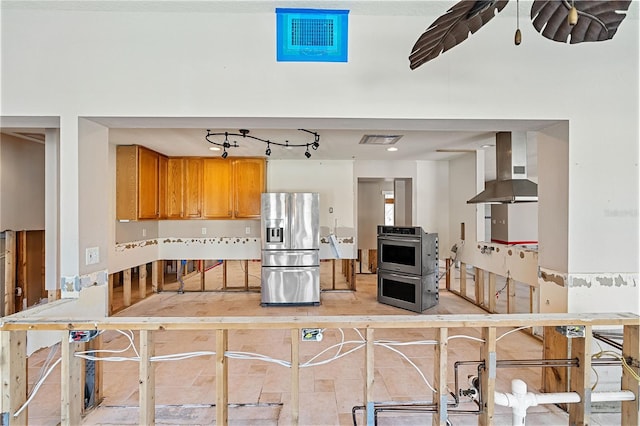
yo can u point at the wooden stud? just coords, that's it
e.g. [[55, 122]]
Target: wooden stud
[[295, 376], [9, 272], [246, 275], [13, 374], [479, 282], [448, 273], [488, 381], [370, 376], [202, 275], [580, 412], [463, 280], [511, 296], [97, 344], [222, 378], [333, 274], [126, 287], [555, 346], [142, 281], [155, 273], [492, 292], [352, 274], [110, 294], [440, 378], [630, 414], [71, 385], [21, 266], [147, 382], [224, 274]]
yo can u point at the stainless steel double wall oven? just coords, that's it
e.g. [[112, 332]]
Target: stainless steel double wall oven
[[407, 267]]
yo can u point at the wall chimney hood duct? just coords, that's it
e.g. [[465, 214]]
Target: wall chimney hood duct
[[511, 184]]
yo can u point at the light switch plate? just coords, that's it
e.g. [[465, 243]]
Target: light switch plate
[[92, 256]]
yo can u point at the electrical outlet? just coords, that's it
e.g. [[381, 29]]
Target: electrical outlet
[[144, 232], [247, 230], [204, 231], [92, 256]]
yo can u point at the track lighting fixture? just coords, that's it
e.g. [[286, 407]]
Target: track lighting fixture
[[315, 144]]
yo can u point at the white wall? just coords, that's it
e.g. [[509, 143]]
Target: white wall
[[21, 184], [217, 60], [462, 186]]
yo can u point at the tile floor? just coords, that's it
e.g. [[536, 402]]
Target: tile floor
[[259, 391]]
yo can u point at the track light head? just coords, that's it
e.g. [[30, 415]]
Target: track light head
[[315, 145], [224, 154], [307, 154], [267, 152]]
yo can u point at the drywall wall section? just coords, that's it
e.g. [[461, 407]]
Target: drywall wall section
[[331, 179], [22, 184], [432, 200], [463, 186]]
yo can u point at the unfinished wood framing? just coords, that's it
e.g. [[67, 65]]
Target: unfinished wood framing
[[479, 281], [440, 378], [203, 271], [146, 378], [488, 381], [555, 346], [295, 376], [13, 374], [9, 272], [463, 280], [511, 296], [447, 263], [157, 276], [126, 287], [71, 385], [492, 293], [222, 378], [142, 281], [580, 412], [110, 294], [72, 366], [630, 413]]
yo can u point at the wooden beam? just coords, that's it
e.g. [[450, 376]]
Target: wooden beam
[[110, 294], [631, 350], [492, 292], [142, 281], [511, 296], [580, 412], [555, 346], [13, 374], [126, 287], [295, 376], [9, 272], [479, 282], [71, 385], [463, 279], [147, 382], [369, 377], [222, 378], [448, 273], [246, 275], [155, 274], [440, 378], [488, 381]]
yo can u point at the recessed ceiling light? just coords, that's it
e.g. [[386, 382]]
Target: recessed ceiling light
[[214, 148], [486, 145], [392, 149]]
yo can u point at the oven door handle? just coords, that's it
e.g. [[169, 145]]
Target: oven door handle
[[400, 240], [404, 277]]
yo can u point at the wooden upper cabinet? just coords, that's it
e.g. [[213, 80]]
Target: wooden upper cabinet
[[175, 171], [137, 183], [217, 195], [163, 173], [193, 188], [248, 185]]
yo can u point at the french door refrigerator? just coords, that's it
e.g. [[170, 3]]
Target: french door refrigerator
[[290, 248]]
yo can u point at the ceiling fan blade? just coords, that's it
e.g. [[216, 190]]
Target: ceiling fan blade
[[453, 28], [597, 20]]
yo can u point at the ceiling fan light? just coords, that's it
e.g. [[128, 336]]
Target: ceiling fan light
[[572, 17]]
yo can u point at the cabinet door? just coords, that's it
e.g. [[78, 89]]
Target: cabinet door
[[163, 172], [193, 188], [216, 199], [175, 174], [147, 184], [249, 184]]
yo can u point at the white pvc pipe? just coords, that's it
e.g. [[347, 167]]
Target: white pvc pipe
[[519, 400]]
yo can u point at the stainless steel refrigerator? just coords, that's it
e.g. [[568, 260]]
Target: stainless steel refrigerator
[[290, 248]]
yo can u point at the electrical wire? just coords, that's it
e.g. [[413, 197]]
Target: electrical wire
[[463, 336], [35, 389], [513, 331]]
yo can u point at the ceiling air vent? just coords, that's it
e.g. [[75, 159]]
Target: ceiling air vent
[[312, 35], [379, 139]]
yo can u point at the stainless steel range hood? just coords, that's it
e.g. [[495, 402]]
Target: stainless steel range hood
[[511, 184]]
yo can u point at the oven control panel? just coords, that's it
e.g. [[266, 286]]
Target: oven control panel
[[399, 230]]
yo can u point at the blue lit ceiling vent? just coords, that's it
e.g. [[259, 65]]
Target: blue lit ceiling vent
[[312, 35]]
